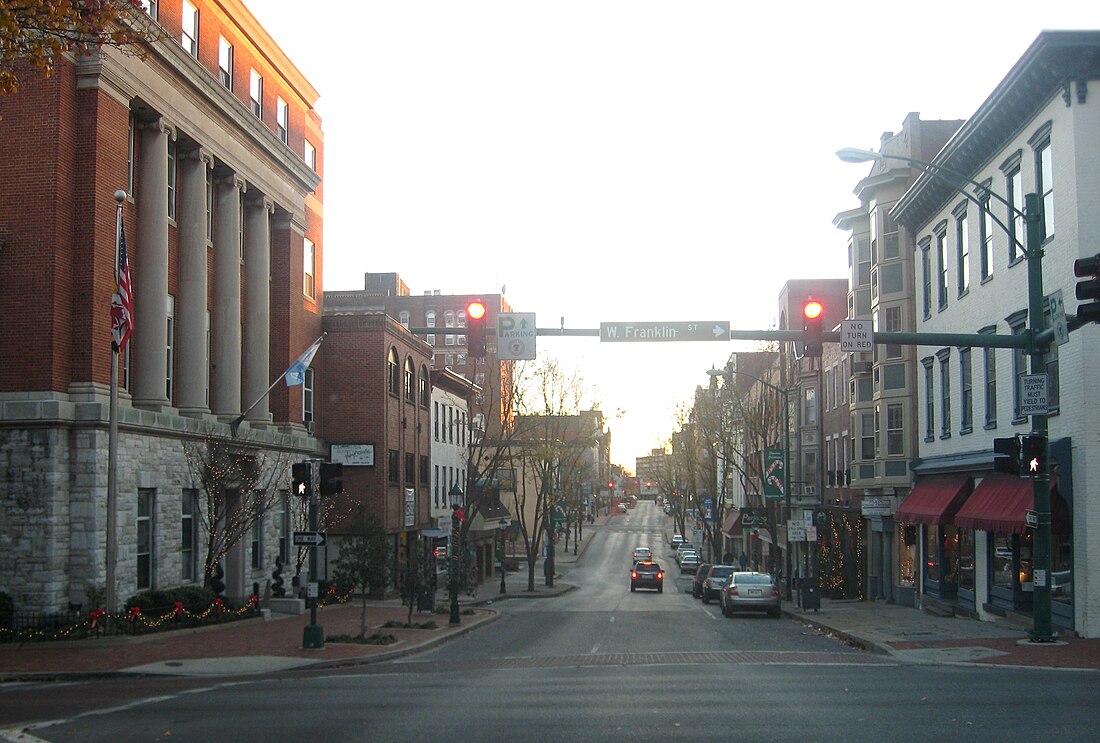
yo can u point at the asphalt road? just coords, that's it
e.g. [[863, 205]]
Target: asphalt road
[[601, 663]]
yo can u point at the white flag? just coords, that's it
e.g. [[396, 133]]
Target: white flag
[[296, 374]]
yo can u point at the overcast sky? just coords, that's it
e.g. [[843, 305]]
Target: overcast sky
[[624, 160]]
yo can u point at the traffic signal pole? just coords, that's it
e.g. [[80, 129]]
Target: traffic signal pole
[[313, 636]]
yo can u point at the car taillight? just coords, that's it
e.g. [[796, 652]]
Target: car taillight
[[633, 573], [775, 590], [733, 590], [660, 576]]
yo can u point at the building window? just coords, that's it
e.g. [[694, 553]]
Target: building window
[[256, 543], [926, 278], [895, 429], [282, 526], [256, 93], [1019, 364], [449, 318], [410, 381], [429, 319], [206, 366], [189, 535], [225, 62], [393, 464], [962, 252], [929, 400], [209, 203], [892, 278], [309, 267], [986, 236], [944, 357], [1014, 185], [425, 388], [146, 538], [425, 469], [809, 407], [189, 37], [941, 269], [410, 469], [893, 377], [1044, 181], [403, 318], [891, 323], [1051, 367], [150, 7], [394, 373], [170, 351], [307, 397], [311, 156], [171, 179], [282, 119], [990, 357], [867, 437], [130, 158], [966, 398]]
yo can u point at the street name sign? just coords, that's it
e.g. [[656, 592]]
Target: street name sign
[[516, 336], [663, 332], [309, 539], [856, 336]]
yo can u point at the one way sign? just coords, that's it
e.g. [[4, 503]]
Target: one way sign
[[308, 539]]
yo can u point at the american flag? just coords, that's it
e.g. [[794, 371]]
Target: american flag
[[122, 301]]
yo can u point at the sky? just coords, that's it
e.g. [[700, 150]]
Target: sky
[[624, 160]]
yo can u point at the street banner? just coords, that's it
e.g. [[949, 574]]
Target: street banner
[[775, 474]]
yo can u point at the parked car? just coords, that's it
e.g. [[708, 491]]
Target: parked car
[[713, 581], [689, 564], [641, 554], [647, 574], [681, 554], [677, 540], [697, 581], [750, 592], [440, 553]]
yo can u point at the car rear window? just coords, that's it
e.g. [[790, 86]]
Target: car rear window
[[752, 579], [721, 571], [649, 567]]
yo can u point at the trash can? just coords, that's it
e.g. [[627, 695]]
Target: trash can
[[811, 599]]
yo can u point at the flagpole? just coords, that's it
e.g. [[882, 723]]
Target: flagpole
[[112, 445], [235, 424]]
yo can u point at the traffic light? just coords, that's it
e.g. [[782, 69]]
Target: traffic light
[[812, 312], [1006, 455], [1034, 453], [332, 478], [302, 476], [475, 328], [1088, 268]]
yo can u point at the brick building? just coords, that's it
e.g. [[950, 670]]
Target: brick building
[[214, 138]]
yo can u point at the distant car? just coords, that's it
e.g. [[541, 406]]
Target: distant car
[[641, 554], [689, 564], [622, 507], [750, 592], [686, 552], [697, 581], [713, 581], [677, 540], [440, 553], [647, 574]]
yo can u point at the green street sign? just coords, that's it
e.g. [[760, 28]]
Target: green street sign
[[775, 474]]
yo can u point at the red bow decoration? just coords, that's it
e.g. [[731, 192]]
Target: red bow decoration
[[135, 612], [218, 603], [253, 600], [179, 608], [94, 615]]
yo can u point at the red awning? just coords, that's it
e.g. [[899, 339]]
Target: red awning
[[731, 524], [935, 500], [999, 502]]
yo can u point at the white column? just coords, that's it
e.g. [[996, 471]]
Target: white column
[[226, 385], [257, 310], [150, 275], [191, 344]]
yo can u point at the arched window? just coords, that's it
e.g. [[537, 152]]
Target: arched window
[[403, 318], [425, 389], [429, 319], [462, 318], [394, 373], [410, 381], [449, 318]]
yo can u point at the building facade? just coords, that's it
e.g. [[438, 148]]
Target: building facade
[[1037, 133], [213, 138]]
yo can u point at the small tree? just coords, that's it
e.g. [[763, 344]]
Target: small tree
[[415, 578], [38, 32], [363, 564]]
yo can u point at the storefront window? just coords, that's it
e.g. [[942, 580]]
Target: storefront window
[[1002, 561], [1061, 570], [1025, 562], [907, 556], [966, 560], [950, 555]]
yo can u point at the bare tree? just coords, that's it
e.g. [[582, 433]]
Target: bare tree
[[239, 484], [362, 566]]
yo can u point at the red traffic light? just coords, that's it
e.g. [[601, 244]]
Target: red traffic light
[[812, 309], [475, 310]]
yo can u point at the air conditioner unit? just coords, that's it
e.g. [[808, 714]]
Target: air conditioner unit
[[808, 490]]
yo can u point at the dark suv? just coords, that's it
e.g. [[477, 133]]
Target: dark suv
[[647, 575]]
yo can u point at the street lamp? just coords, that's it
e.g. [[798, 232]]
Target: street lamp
[[785, 392], [1037, 348], [457, 515]]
